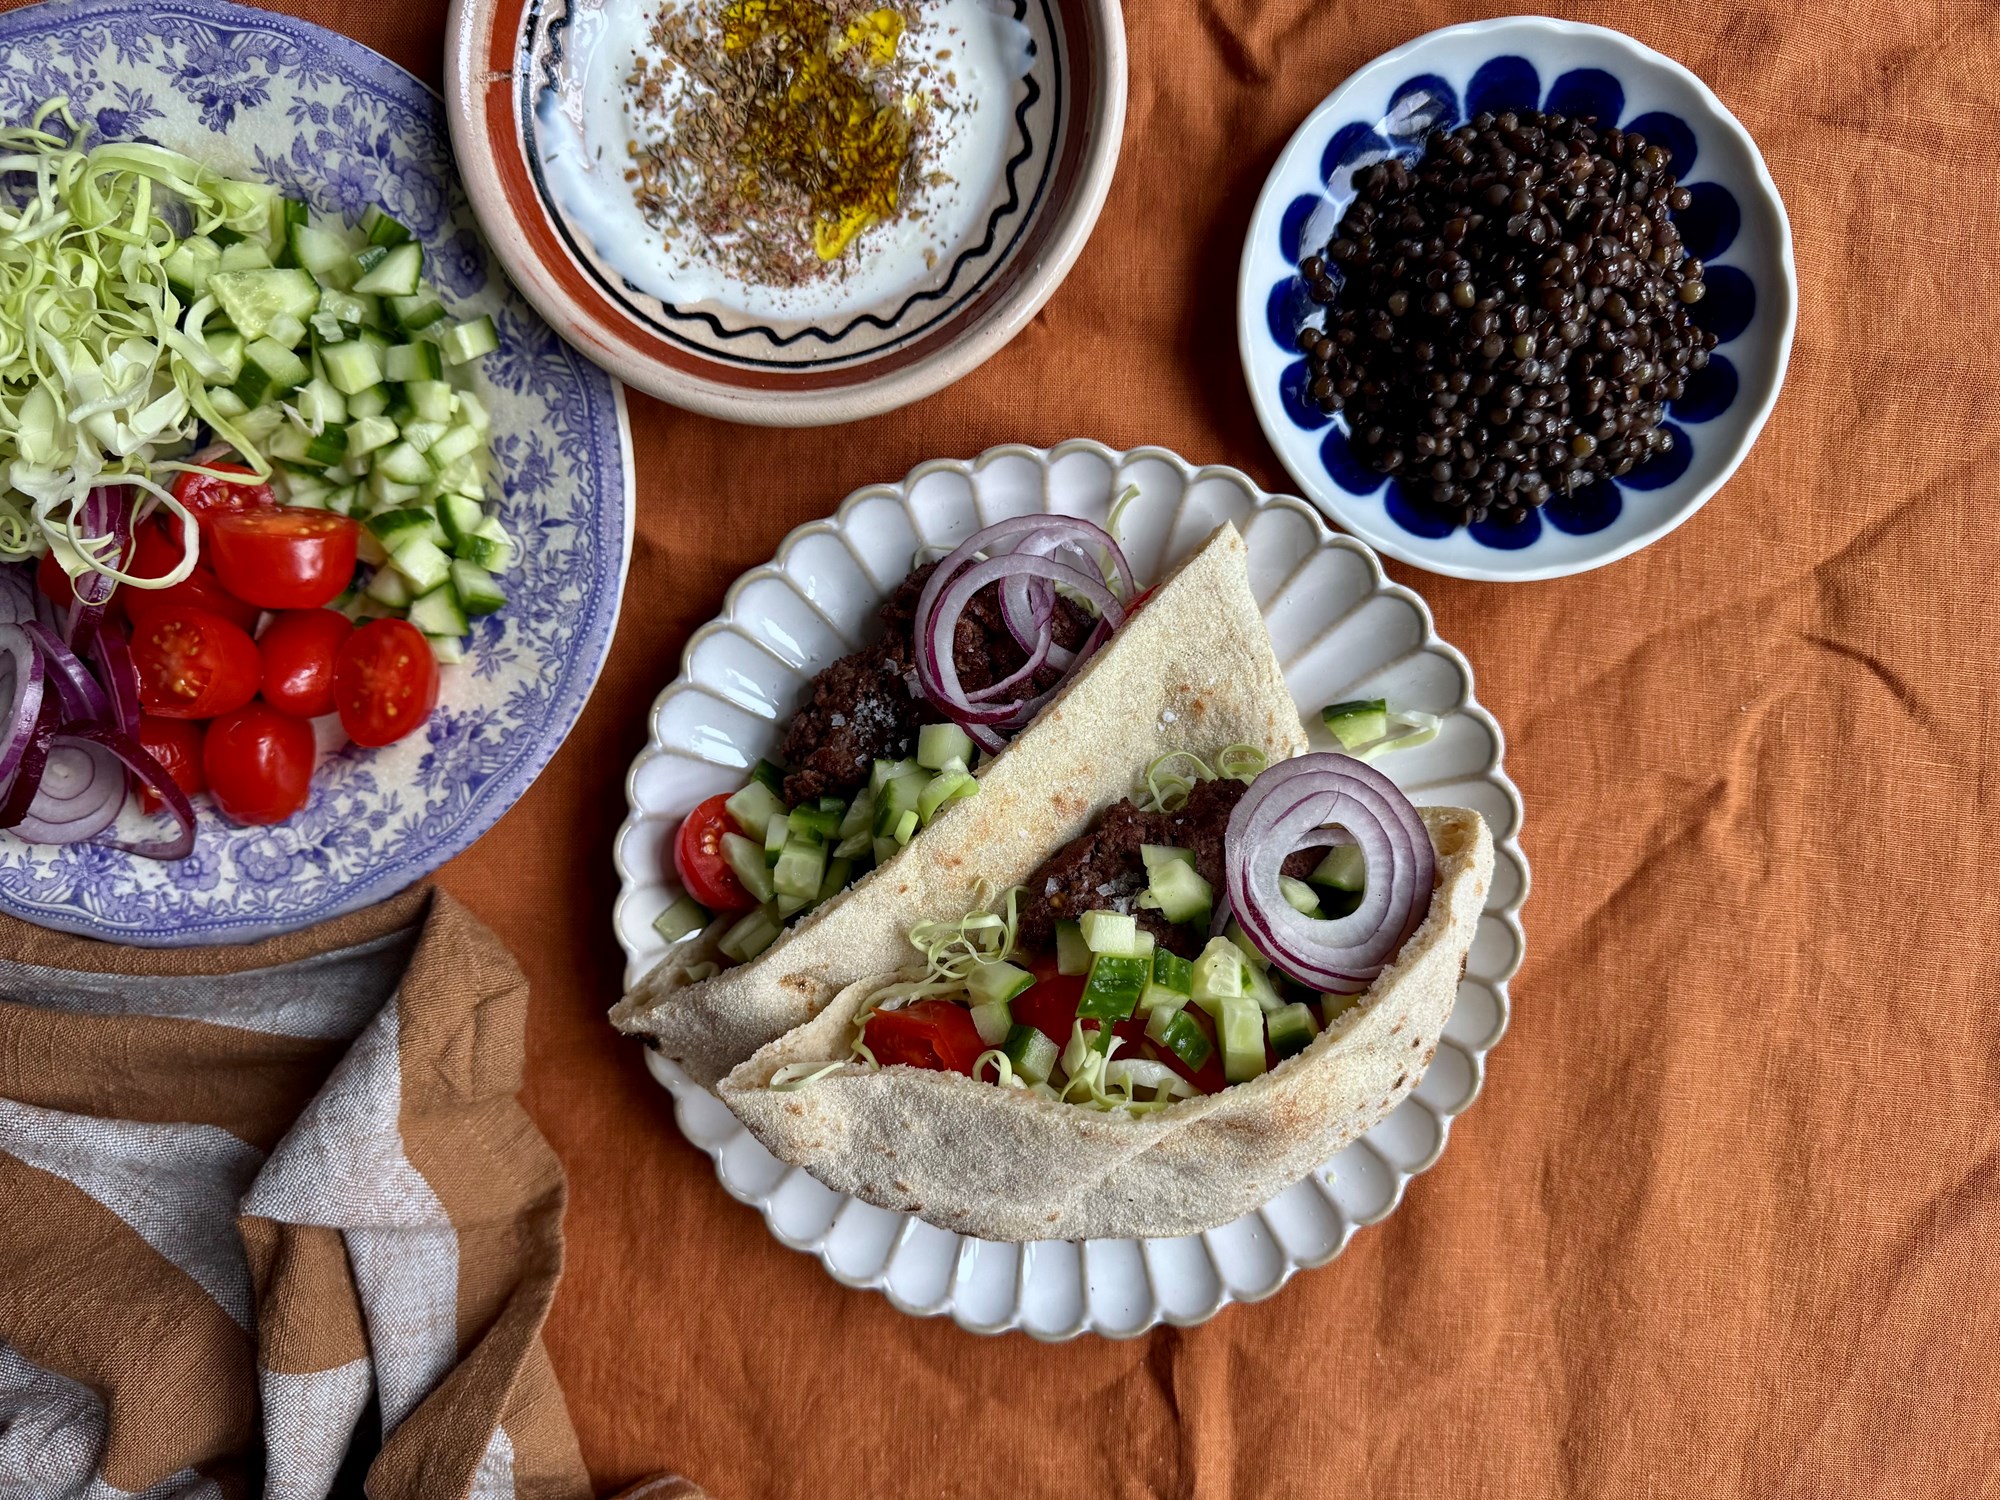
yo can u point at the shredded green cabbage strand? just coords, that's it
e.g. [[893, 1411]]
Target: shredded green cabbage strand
[[102, 371]]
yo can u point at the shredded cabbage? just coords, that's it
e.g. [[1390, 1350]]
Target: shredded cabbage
[[102, 371], [952, 950], [794, 1076], [1408, 728]]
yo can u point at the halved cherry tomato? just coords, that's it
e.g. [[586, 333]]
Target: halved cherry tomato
[[298, 648], [259, 764], [176, 745], [193, 664], [698, 860], [284, 559], [157, 554], [385, 681], [933, 1034], [209, 498]]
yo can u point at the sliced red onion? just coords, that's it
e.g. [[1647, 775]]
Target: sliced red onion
[[75, 688], [34, 756], [113, 655], [82, 786], [1017, 554], [21, 685], [107, 511], [1308, 803], [141, 763]]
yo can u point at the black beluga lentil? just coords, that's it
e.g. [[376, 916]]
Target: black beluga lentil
[[1508, 317]]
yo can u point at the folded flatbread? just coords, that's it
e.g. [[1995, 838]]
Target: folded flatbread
[[1192, 669], [1004, 1164]]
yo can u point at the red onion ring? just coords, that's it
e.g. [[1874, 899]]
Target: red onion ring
[[81, 788], [937, 671], [1290, 807], [113, 655], [22, 695], [107, 511], [1019, 555], [141, 763], [76, 689], [28, 775]]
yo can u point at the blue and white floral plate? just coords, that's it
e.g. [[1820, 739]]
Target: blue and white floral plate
[[1736, 225], [261, 95]]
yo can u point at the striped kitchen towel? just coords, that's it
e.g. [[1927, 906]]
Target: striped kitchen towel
[[271, 1221]]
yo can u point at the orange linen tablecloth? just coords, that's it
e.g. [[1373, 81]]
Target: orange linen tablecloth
[[1724, 1220]]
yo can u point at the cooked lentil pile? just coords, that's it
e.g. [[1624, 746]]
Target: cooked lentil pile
[[789, 128], [1508, 319]]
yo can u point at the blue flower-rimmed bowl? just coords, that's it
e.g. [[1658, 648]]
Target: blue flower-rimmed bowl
[[1736, 225]]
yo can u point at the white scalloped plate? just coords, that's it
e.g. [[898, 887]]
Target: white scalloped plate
[[1341, 629]]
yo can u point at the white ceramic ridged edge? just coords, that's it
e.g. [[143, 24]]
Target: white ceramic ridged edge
[[1216, 1251]]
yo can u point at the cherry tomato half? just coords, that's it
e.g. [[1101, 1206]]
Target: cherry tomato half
[[208, 498], [698, 858], [385, 682], [933, 1034], [298, 649], [158, 553], [193, 664], [259, 764], [284, 559], [176, 745]]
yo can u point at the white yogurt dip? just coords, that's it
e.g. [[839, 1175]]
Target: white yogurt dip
[[590, 126]]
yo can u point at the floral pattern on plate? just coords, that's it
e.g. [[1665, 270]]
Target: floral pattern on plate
[[262, 95], [1341, 630]]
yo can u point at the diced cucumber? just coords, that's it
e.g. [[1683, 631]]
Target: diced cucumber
[[189, 265], [489, 546], [226, 349], [324, 255], [422, 563], [396, 274], [770, 774], [464, 342], [1000, 982], [944, 788], [438, 612], [1343, 868], [1183, 895], [287, 330], [1154, 855], [855, 845], [1241, 1025], [747, 860], [777, 833], [1181, 1034], [319, 402], [749, 937], [386, 494], [303, 490], [1111, 992], [460, 516], [389, 587], [1292, 1028], [269, 371], [814, 823], [459, 442], [1109, 932], [350, 308], [366, 434], [1257, 986], [420, 361], [328, 446], [472, 411], [352, 366], [448, 649], [839, 871], [371, 402], [800, 868], [1357, 722], [786, 906], [1252, 955], [395, 527], [754, 807], [1172, 972], [251, 300], [243, 255], [683, 919], [1072, 952], [1299, 896], [993, 1022], [1218, 974], [477, 593], [341, 501], [226, 402], [905, 829], [381, 229], [415, 313], [420, 435], [1031, 1054], [430, 400], [403, 464], [940, 744], [467, 477]]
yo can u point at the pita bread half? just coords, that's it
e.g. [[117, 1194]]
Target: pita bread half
[[1003, 1164], [1192, 670]]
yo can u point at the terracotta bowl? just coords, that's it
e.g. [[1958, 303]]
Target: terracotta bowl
[[505, 70]]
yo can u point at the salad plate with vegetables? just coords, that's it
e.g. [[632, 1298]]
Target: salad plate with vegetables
[[1368, 680], [310, 533]]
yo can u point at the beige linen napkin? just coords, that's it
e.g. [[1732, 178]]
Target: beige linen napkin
[[272, 1220]]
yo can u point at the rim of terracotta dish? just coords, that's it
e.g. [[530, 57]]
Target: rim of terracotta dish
[[482, 96]]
